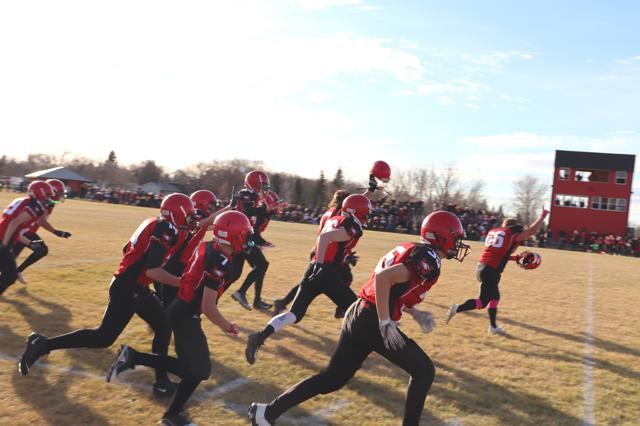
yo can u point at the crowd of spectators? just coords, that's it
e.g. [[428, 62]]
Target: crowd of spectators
[[583, 240], [121, 196]]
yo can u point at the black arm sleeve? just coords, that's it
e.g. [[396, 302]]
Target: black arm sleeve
[[155, 256]]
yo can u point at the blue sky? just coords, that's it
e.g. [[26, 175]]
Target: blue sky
[[492, 87]]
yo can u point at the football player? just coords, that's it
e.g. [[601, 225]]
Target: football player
[[129, 294], [400, 281], [499, 245], [323, 274], [205, 204], [205, 280], [16, 219], [29, 235], [250, 202]]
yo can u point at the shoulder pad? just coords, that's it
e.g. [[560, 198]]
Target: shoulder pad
[[425, 262]]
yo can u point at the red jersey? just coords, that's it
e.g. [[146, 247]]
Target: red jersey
[[328, 215], [336, 251], [33, 207], [35, 225], [207, 267], [499, 245], [412, 292], [148, 248]]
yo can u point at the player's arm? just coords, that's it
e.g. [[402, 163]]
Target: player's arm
[[533, 228], [13, 226], [208, 221], [383, 281], [336, 235], [210, 309], [155, 271]]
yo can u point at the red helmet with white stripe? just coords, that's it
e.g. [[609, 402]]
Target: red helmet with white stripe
[[58, 188], [257, 180], [529, 260], [205, 201], [178, 209], [232, 228], [443, 230], [357, 206], [381, 170], [41, 191], [272, 200]]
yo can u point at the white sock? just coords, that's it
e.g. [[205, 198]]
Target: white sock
[[282, 320]]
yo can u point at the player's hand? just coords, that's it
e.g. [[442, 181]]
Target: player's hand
[[317, 272], [61, 234], [426, 320], [391, 336], [544, 213], [373, 183], [267, 244], [352, 259], [233, 330]]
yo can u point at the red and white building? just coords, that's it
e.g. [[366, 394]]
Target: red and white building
[[591, 192]]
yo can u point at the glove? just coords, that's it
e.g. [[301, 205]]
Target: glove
[[267, 244], [352, 259], [61, 234], [317, 272], [426, 320], [391, 336], [233, 330], [544, 213], [373, 183]]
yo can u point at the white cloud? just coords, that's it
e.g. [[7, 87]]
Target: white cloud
[[497, 60]]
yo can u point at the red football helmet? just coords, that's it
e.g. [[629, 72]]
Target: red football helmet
[[529, 260], [58, 188], [357, 206], [443, 230], [40, 190], [257, 180], [205, 201], [381, 170], [178, 209], [232, 228], [272, 200]]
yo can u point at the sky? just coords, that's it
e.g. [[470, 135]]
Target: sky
[[492, 88]]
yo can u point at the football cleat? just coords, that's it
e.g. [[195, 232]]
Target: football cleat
[[176, 420], [453, 310], [36, 347], [164, 388], [496, 330], [257, 415], [254, 342], [279, 306], [260, 304], [241, 298], [123, 361]]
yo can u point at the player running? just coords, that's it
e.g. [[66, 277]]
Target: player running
[[498, 247], [28, 236], [323, 274], [250, 202], [16, 219], [401, 280], [129, 294], [205, 280]]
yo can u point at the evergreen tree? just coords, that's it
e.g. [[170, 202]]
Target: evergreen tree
[[276, 183], [320, 192], [338, 179], [298, 195]]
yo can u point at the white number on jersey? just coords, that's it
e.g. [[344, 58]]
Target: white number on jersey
[[494, 239], [13, 206], [388, 258]]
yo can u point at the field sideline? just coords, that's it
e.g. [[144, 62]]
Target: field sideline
[[572, 355]]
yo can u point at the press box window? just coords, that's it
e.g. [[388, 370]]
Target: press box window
[[621, 177], [572, 201], [592, 175], [564, 173]]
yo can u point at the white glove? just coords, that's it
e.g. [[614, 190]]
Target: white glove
[[426, 319], [391, 336]]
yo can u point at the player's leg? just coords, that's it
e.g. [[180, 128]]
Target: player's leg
[[347, 278], [154, 314], [120, 310], [8, 270], [470, 304], [259, 263], [347, 359], [339, 293], [280, 305], [239, 296], [306, 293], [41, 251]]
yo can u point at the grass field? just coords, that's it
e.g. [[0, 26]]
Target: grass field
[[572, 354]]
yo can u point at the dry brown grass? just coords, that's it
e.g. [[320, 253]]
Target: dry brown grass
[[533, 376]]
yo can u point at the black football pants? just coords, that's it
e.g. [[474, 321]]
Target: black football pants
[[125, 299], [36, 255], [359, 337], [347, 279], [166, 293], [259, 263], [8, 270], [329, 284], [193, 364]]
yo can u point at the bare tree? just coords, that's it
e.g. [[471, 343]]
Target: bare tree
[[475, 199], [529, 197], [447, 188]]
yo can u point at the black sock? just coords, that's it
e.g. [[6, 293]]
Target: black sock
[[184, 391], [467, 306], [267, 331], [493, 312]]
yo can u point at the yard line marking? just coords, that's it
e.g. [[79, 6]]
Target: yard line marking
[[589, 417], [200, 396]]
